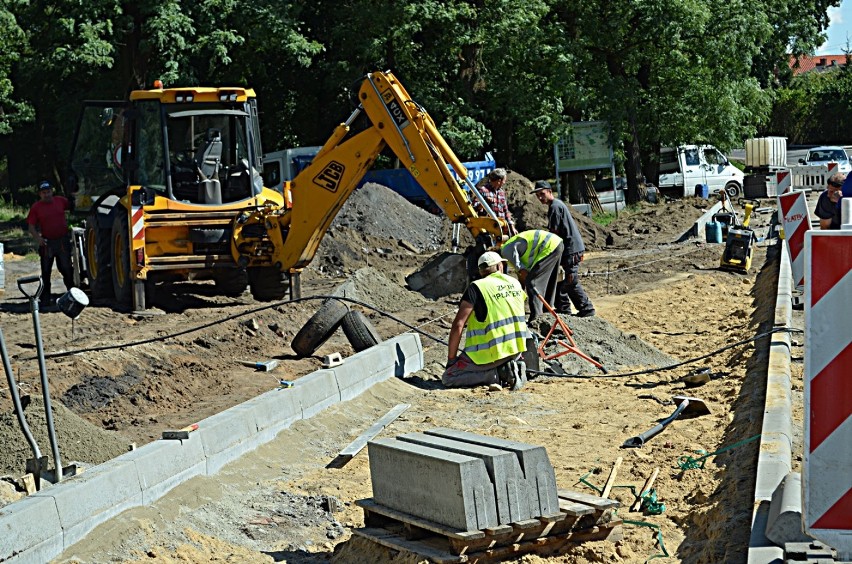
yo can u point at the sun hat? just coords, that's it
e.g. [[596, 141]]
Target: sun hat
[[489, 258]]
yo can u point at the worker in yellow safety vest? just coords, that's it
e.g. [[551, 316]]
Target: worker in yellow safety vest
[[535, 255], [492, 310]]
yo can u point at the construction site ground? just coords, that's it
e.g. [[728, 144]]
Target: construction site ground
[[658, 303]]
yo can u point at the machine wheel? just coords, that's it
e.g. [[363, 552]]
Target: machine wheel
[[360, 332], [319, 327], [231, 282], [267, 284], [98, 260], [122, 285], [733, 189]]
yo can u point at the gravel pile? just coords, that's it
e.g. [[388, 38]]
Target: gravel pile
[[377, 211]]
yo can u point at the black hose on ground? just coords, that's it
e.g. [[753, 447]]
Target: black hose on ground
[[413, 328], [232, 317]]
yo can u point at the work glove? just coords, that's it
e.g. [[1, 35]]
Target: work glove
[[451, 362]]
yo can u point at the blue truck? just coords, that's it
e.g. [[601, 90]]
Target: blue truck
[[284, 165]]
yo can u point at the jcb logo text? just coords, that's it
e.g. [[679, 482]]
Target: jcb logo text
[[330, 176]]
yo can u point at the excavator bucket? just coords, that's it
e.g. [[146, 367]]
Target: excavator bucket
[[444, 274]]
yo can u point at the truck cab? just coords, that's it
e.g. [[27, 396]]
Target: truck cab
[[687, 167]]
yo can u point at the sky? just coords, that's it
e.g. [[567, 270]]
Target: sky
[[839, 29]]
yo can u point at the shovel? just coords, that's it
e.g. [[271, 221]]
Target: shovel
[[686, 406]]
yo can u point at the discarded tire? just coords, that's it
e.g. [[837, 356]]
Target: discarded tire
[[360, 332], [319, 327]]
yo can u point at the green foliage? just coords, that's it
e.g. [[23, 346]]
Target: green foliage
[[606, 218], [494, 74]]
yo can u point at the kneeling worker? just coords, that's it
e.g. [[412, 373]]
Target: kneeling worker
[[492, 309]]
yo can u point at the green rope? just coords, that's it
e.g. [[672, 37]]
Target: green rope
[[687, 462], [583, 480], [649, 502], [664, 553]]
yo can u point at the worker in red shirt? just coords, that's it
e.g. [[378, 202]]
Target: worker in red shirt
[[49, 228]]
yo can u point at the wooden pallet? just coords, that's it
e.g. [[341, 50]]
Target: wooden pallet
[[581, 518]]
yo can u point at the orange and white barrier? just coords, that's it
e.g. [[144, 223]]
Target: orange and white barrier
[[827, 479], [796, 221]]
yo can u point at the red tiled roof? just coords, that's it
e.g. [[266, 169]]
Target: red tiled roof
[[805, 63]]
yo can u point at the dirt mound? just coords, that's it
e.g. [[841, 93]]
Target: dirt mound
[[603, 342], [377, 227], [529, 213], [79, 440], [371, 286], [658, 223], [378, 211]]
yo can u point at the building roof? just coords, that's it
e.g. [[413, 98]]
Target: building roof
[[819, 63]]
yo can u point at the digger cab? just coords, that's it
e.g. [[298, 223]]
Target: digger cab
[[191, 145]]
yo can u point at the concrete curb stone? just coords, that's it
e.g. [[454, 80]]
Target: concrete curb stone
[[37, 528]]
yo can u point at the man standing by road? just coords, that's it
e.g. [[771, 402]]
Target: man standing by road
[[492, 309], [560, 222], [535, 255], [49, 228], [828, 204], [493, 193]]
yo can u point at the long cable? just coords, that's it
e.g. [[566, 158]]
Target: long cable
[[408, 325], [678, 364], [236, 316]]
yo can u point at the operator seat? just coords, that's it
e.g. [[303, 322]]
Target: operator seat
[[208, 159]]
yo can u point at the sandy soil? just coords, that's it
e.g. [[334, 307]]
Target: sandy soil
[[658, 303]]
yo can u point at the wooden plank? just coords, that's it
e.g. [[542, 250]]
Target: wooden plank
[[586, 499], [371, 506], [575, 509], [360, 442], [649, 483], [553, 518], [611, 480], [396, 542]]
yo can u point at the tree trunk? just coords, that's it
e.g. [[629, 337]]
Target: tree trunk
[[633, 165]]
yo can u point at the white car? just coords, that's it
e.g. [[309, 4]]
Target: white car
[[828, 154]]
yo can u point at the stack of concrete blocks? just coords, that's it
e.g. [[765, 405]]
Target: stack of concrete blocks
[[462, 480]]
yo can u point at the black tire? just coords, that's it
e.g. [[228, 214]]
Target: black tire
[[319, 327], [267, 284], [231, 282], [733, 189], [360, 332], [122, 285], [98, 260]]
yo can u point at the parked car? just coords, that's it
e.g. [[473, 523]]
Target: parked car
[[828, 154]]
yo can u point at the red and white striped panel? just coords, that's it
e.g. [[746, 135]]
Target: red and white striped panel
[[783, 181], [137, 223], [827, 477], [796, 221]]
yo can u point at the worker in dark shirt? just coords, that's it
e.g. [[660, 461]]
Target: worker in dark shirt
[[49, 227], [828, 205], [560, 222]]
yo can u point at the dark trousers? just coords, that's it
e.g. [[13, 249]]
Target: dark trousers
[[570, 291], [59, 249], [542, 279]]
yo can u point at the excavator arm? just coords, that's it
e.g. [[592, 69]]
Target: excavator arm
[[321, 189]]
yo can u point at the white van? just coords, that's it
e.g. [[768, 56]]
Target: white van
[[685, 170]]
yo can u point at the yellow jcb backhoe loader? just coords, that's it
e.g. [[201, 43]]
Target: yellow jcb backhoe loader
[[171, 182]]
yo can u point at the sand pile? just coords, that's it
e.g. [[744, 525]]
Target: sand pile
[[370, 286], [529, 213], [608, 345], [79, 440], [378, 227]]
